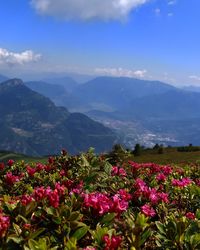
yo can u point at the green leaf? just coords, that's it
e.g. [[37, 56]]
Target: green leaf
[[71, 244], [198, 213], [108, 168], [80, 232], [17, 229], [37, 233], [30, 208], [33, 245], [75, 216], [15, 238], [160, 227], [76, 224], [145, 236], [107, 218]]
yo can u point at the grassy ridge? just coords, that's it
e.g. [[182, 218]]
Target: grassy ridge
[[169, 155], [6, 155]]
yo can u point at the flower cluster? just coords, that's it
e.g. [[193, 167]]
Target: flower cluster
[[184, 182], [53, 196], [4, 224], [103, 203], [93, 202], [112, 243], [119, 171], [11, 179]]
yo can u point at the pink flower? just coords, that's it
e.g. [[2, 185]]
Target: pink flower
[[30, 171], [53, 198], [2, 166], [51, 160], [112, 243], [186, 181], [114, 170], [181, 183], [98, 201], [26, 199], [78, 189], [140, 185], [62, 173], [197, 182], [122, 172], [161, 177], [167, 170], [61, 188], [119, 205], [124, 195], [118, 171], [148, 210], [39, 167], [153, 196], [190, 216], [164, 197], [4, 225], [10, 162], [11, 179], [39, 193], [27, 226]]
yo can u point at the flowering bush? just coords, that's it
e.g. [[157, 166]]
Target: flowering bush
[[85, 202]]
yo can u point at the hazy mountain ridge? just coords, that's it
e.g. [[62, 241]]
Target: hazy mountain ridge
[[138, 110], [3, 78], [38, 127], [192, 88]]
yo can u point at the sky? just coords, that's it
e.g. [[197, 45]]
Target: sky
[[147, 39]]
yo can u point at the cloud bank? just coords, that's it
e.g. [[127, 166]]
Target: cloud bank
[[194, 77], [11, 58], [87, 9], [120, 72]]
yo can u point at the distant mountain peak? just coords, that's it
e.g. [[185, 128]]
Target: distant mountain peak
[[13, 82]]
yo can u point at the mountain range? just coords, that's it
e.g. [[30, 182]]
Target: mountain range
[[141, 111], [32, 124]]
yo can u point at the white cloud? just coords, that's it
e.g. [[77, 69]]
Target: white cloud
[[170, 14], [120, 72], [172, 2], [157, 11], [194, 77], [87, 9], [13, 58]]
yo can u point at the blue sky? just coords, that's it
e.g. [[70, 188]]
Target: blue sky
[[150, 39]]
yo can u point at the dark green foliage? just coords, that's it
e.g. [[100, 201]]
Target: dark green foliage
[[189, 148], [161, 149], [137, 150]]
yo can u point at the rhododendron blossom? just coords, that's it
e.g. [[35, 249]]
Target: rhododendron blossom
[[2, 166], [53, 198], [118, 171], [26, 199], [102, 203], [39, 193], [11, 179], [190, 216], [184, 182], [161, 177], [30, 171], [4, 224], [10, 162], [112, 243], [148, 210]]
